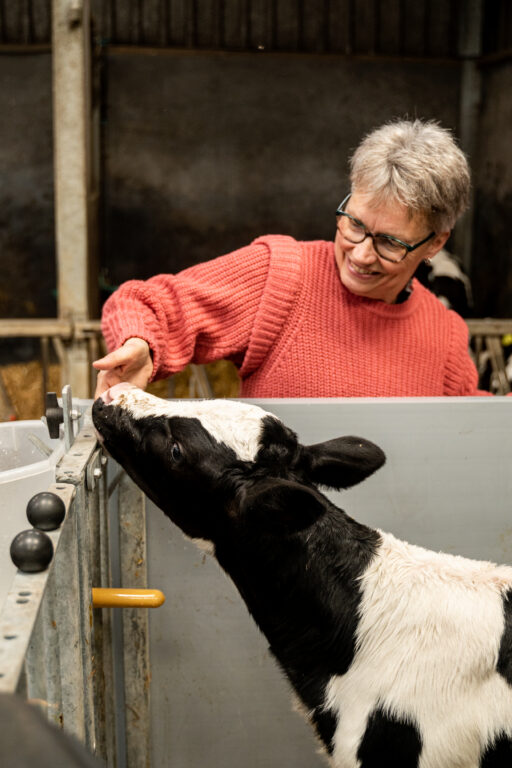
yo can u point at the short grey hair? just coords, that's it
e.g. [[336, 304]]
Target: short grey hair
[[418, 164]]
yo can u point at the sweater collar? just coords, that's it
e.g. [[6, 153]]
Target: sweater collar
[[398, 310]]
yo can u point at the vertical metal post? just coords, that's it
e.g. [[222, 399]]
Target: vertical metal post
[[45, 366], [470, 45], [52, 653], [73, 468], [75, 182], [102, 635], [67, 618], [132, 554]]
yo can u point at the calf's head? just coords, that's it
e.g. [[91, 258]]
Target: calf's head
[[213, 465]]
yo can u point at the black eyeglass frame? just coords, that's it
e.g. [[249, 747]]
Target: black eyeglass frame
[[367, 233]]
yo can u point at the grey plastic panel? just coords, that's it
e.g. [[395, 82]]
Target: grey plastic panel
[[218, 699]]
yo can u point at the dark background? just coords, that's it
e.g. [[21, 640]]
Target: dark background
[[222, 120]]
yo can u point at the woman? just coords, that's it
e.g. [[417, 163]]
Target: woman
[[319, 319]]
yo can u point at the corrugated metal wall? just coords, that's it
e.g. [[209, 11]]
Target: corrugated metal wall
[[25, 22], [425, 28], [188, 142], [497, 28]]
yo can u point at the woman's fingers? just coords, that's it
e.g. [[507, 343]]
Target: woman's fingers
[[132, 362]]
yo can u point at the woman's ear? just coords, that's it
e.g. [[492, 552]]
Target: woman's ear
[[341, 463], [435, 245]]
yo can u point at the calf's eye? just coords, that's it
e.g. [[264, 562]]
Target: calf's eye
[[175, 452]]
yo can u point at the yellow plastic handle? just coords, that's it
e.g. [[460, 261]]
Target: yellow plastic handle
[[103, 597]]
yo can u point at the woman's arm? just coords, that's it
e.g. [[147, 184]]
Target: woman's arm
[[156, 327]]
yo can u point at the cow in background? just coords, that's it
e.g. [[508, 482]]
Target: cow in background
[[444, 276]]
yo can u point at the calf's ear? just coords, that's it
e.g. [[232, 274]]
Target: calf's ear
[[281, 507], [341, 463]]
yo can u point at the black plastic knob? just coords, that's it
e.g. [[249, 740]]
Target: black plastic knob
[[31, 551], [46, 511], [54, 414]]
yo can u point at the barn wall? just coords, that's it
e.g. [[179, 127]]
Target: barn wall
[[492, 253], [204, 151], [225, 120], [27, 245]]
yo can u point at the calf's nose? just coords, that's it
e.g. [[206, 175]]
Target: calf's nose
[[116, 390]]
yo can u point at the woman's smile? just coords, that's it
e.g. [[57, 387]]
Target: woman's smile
[[359, 271]]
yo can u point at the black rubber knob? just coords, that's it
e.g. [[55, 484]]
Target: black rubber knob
[[46, 511], [31, 551], [54, 414]]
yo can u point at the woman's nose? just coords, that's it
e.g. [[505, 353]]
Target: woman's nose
[[364, 252]]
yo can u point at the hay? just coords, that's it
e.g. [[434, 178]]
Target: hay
[[22, 396], [22, 386]]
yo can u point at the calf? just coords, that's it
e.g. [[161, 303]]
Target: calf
[[443, 275], [400, 656]]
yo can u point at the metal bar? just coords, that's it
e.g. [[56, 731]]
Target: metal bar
[[35, 328], [45, 367], [132, 547], [52, 652], [74, 175], [489, 327], [99, 652], [498, 364], [67, 618], [103, 620], [68, 415], [93, 345], [491, 59], [60, 351], [35, 664], [73, 469], [28, 327]]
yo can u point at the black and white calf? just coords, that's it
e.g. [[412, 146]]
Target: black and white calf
[[400, 656]]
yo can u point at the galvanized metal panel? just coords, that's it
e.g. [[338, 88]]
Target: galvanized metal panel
[[77, 467], [217, 696], [23, 603], [135, 651]]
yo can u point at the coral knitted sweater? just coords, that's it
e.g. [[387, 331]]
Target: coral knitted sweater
[[278, 310]]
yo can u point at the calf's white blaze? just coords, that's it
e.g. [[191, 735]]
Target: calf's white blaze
[[427, 644], [237, 425]]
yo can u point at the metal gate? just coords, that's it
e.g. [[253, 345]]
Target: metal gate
[[86, 667]]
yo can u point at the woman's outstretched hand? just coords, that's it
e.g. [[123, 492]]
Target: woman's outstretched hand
[[132, 362]]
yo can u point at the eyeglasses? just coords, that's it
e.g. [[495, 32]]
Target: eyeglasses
[[386, 246]]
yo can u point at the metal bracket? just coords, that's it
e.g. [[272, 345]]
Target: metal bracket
[[55, 415], [75, 13], [94, 469], [70, 415]]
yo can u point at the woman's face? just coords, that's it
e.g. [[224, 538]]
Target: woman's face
[[361, 269]]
